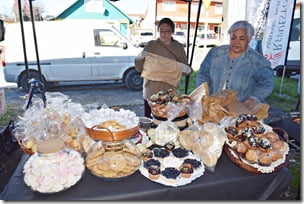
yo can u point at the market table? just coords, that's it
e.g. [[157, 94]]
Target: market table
[[228, 182]]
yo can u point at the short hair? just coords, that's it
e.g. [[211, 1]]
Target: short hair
[[242, 25], [167, 21]]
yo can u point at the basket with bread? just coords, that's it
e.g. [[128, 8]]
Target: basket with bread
[[255, 146], [168, 102], [110, 125]]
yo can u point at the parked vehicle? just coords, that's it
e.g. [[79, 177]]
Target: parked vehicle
[[180, 37], [141, 37], [210, 41], [71, 51]]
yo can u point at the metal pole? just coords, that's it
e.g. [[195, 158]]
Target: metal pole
[[23, 39], [195, 32], [35, 40], [187, 78]]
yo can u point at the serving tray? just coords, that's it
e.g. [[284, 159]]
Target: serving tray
[[239, 160]]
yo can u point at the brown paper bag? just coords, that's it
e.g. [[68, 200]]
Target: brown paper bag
[[158, 68], [224, 97], [200, 91]]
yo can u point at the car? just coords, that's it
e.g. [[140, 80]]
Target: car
[[212, 40], [180, 37], [71, 51], [141, 37]]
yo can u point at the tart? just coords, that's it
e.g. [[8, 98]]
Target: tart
[[154, 172], [151, 162], [186, 170], [195, 163], [146, 154], [180, 152], [170, 173]]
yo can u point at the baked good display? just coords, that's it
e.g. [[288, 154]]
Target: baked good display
[[109, 125], [174, 171], [113, 160], [257, 147], [54, 172], [160, 103]]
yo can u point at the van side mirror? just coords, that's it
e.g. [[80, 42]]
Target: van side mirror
[[2, 30], [124, 46]]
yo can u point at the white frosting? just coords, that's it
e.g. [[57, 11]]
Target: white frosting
[[49, 174], [123, 117]]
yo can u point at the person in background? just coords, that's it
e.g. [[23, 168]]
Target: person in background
[[238, 67], [164, 46]]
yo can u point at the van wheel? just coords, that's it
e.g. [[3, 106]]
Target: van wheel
[[24, 81], [133, 80]]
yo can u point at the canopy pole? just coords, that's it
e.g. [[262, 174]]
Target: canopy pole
[[35, 39], [23, 38], [195, 32], [188, 35]]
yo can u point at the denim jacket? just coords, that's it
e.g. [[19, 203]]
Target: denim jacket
[[250, 75]]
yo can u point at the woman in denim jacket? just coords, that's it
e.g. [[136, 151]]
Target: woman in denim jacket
[[238, 67]]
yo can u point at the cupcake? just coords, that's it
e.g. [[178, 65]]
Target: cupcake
[[264, 143], [231, 132], [146, 154], [272, 136], [259, 130], [276, 155], [186, 170], [240, 147], [169, 146], [154, 172], [265, 159], [241, 121], [251, 120], [251, 156]]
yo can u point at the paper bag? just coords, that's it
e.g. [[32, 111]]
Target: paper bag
[[158, 68]]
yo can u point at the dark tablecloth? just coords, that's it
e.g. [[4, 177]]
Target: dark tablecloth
[[228, 182]]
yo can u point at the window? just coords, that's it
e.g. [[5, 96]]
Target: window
[[105, 37], [218, 9], [169, 6]]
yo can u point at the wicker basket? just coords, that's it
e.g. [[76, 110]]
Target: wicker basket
[[24, 148], [162, 110], [238, 161], [107, 135]]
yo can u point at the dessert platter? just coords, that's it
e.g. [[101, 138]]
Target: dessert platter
[[255, 146], [53, 171], [170, 165]]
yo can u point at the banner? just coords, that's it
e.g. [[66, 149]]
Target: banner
[[276, 33]]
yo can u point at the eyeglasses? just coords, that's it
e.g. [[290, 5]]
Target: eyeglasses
[[165, 31]]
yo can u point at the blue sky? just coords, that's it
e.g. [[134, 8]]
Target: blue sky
[[51, 6]]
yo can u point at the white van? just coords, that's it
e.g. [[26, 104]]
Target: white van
[[69, 51]]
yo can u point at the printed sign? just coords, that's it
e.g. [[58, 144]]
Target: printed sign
[[276, 33]]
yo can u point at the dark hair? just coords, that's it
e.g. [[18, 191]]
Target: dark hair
[[167, 21]]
